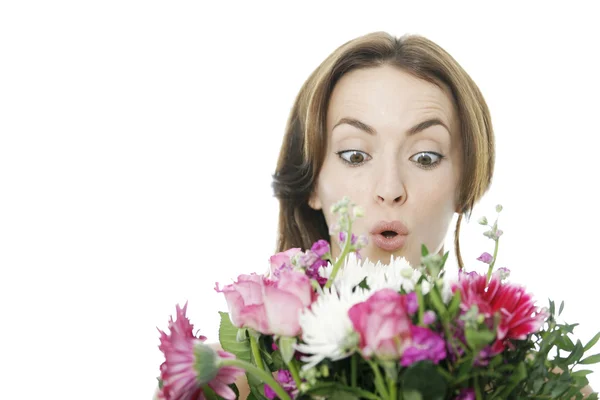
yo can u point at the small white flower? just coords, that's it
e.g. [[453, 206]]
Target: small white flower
[[327, 331]]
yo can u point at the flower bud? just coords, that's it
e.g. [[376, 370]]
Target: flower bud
[[483, 221], [358, 212], [499, 208], [486, 258], [503, 273]]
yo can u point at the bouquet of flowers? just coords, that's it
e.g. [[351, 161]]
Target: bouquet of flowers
[[316, 328]]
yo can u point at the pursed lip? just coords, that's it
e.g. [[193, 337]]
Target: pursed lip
[[392, 243], [393, 226]]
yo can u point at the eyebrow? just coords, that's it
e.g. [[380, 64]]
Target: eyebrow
[[421, 126]]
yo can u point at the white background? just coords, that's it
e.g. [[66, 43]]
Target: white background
[[138, 141]]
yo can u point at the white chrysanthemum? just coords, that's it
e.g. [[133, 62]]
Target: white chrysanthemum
[[327, 331], [350, 274], [396, 275]]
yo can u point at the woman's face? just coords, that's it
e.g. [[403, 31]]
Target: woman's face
[[394, 149]]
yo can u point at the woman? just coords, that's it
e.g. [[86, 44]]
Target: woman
[[398, 126]]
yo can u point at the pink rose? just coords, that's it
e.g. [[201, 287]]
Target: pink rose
[[269, 307], [282, 260], [383, 324]]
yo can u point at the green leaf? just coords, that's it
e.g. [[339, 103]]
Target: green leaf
[[582, 372], [436, 300], [591, 359], [286, 346], [565, 343], [228, 337], [592, 342], [424, 251], [423, 378], [327, 388], [562, 306], [412, 395], [478, 339], [454, 304], [576, 354]]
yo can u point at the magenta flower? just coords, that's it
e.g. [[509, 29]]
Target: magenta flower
[[485, 257], [320, 248], [342, 238], [284, 378], [425, 345], [466, 394], [383, 324], [267, 306], [510, 303], [190, 365], [429, 317]]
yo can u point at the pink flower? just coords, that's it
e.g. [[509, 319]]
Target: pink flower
[[320, 248], [283, 260], [485, 257], [383, 324], [425, 345], [466, 394], [269, 307], [284, 378], [190, 365], [518, 315]]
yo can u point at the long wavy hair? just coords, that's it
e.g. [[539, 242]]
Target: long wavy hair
[[305, 141]]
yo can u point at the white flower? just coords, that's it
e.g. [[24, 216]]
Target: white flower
[[349, 275], [327, 331], [396, 275]]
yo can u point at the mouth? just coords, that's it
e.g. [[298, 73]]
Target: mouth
[[389, 236]]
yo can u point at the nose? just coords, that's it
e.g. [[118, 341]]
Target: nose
[[390, 189]]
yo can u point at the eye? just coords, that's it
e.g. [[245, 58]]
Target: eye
[[427, 159], [354, 157]]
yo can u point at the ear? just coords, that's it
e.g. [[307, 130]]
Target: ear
[[314, 201]]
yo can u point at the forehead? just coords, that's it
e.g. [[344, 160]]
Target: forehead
[[387, 96]]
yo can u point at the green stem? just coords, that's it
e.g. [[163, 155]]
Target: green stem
[[491, 268], [478, 394], [392, 386], [339, 262], [259, 373], [294, 371], [421, 303], [256, 352], [379, 384], [354, 370]]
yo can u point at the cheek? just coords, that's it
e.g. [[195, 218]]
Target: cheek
[[335, 183]]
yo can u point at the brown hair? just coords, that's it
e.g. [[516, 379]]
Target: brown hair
[[305, 141]]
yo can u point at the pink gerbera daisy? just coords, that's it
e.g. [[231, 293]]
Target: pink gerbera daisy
[[190, 365]]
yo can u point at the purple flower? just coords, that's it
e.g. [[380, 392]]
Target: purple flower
[[426, 345], [286, 381], [412, 304], [429, 317], [466, 394], [320, 248], [486, 258], [313, 271], [342, 238], [307, 259]]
